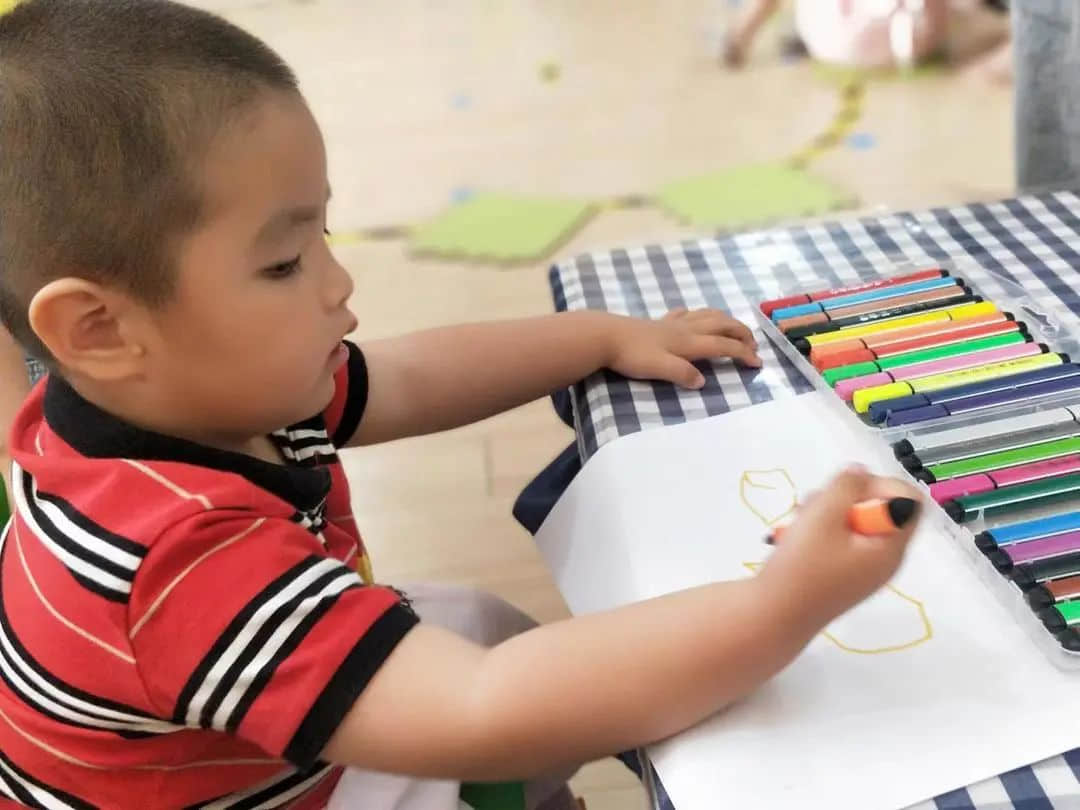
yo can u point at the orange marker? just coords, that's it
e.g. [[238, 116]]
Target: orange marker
[[870, 518]]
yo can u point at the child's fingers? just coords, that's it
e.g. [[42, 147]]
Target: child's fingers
[[712, 346], [831, 505], [719, 323]]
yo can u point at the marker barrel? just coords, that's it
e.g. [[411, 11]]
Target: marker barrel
[[1027, 394], [994, 444], [768, 307], [1014, 498], [988, 462], [1034, 529], [880, 411]]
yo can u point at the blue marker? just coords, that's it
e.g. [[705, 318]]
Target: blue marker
[[1029, 530], [881, 410], [864, 298], [1025, 393]]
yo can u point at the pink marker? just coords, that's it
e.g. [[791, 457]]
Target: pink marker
[[847, 388], [1032, 550], [942, 491]]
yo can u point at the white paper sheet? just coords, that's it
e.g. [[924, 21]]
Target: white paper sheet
[[842, 727]]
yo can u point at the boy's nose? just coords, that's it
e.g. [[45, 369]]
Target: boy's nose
[[341, 286]]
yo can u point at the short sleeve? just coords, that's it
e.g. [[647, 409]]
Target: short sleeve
[[243, 626], [346, 409]]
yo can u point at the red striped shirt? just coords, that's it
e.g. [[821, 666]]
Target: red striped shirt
[[180, 626]]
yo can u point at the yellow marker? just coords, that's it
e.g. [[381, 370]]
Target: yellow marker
[[959, 313], [865, 397]]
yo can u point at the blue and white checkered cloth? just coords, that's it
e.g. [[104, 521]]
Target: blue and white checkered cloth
[[1033, 241]]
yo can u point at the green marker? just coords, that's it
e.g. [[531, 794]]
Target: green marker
[[1070, 611], [1009, 499], [1003, 458], [833, 375]]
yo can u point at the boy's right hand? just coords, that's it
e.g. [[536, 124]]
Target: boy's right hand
[[821, 565]]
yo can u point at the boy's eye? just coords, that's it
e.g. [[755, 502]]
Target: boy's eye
[[283, 270]]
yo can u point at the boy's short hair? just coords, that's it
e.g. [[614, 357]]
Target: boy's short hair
[[107, 108]]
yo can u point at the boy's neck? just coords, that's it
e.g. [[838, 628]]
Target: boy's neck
[[125, 403]]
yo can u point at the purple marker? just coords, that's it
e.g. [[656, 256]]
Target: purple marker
[[977, 403], [1006, 556]]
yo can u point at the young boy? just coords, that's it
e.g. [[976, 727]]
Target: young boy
[[187, 615]]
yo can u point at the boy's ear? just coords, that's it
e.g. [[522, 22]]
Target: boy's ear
[[90, 330]]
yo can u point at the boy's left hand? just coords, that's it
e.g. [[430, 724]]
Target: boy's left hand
[[663, 349]]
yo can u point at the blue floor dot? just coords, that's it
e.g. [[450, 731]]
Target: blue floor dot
[[861, 141], [461, 194]]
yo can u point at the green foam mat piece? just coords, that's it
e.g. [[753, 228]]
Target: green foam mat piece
[[747, 196], [494, 796], [501, 227]]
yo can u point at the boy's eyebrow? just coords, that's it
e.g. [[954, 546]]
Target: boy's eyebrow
[[284, 221]]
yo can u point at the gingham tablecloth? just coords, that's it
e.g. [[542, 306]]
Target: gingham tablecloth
[[1033, 241]]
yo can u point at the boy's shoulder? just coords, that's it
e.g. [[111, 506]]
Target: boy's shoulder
[[72, 460]]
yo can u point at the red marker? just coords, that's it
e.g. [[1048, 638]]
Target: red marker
[[848, 356], [870, 518], [767, 307]]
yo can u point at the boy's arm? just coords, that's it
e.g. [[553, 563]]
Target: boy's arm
[[588, 687], [442, 378], [570, 692]]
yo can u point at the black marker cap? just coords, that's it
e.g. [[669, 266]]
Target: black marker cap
[[1010, 317], [911, 464], [999, 559], [925, 476], [1044, 348], [903, 448], [812, 329], [802, 345], [954, 510], [1065, 358], [1022, 328], [1023, 578], [1040, 598], [902, 510], [1070, 640], [1053, 620], [985, 543]]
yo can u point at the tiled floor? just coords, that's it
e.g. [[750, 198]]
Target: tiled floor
[[420, 100]]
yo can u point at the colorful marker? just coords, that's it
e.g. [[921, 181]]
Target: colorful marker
[[846, 389], [826, 360], [947, 295], [959, 313], [991, 444], [1028, 575], [1029, 530], [1056, 590], [1010, 499], [1061, 620], [843, 372], [1008, 428], [1026, 394], [874, 517], [1005, 558], [767, 307], [863, 398], [866, 297], [878, 315], [882, 409], [953, 488], [927, 331], [988, 462]]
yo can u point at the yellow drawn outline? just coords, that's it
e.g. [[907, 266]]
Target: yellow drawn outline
[[745, 481], [928, 629]]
